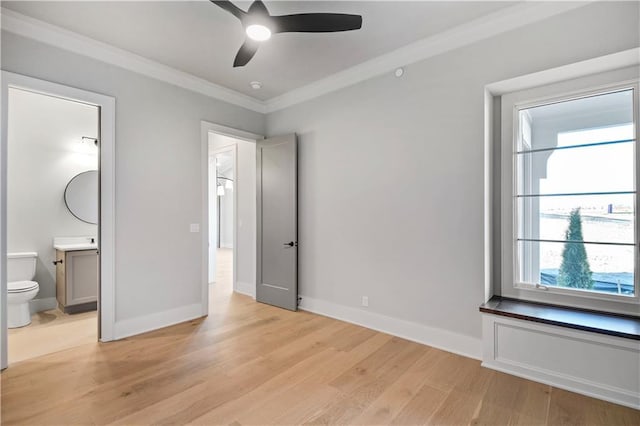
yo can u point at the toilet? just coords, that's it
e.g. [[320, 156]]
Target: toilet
[[21, 268]]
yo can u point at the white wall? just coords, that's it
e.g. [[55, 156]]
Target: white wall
[[226, 212], [213, 217], [226, 220], [158, 177], [44, 152], [245, 191], [391, 176]]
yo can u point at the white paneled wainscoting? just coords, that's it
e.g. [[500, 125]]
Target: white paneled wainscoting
[[593, 364]]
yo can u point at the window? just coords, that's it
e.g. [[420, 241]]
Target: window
[[572, 196]]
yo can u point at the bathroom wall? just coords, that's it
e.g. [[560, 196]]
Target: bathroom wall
[[44, 152]]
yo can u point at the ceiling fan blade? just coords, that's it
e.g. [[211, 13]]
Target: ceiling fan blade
[[316, 23], [258, 7], [246, 52], [230, 7]]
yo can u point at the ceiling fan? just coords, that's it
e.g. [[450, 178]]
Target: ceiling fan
[[259, 25]]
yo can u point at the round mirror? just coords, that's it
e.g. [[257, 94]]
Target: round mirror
[[81, 196]]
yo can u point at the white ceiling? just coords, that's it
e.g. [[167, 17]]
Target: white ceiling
[[201, 39]]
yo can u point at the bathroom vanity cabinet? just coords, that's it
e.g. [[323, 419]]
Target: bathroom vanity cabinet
[[77, 280]]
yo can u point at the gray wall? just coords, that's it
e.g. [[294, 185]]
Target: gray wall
[[158, 176], [391, 171], [45, 152]]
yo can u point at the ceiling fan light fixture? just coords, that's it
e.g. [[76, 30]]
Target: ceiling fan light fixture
[[258, 32], [259, 24]]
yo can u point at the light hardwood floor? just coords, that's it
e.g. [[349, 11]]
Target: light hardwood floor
[[51, 331], [249, 363], [224, 267]]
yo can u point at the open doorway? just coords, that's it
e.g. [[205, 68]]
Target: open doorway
[[229, 215], [57, 218], [222, 212], [52, 224]]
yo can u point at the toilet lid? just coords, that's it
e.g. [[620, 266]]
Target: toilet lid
[[21, 286]]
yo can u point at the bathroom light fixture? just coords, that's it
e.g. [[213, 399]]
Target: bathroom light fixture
[[255, 85], [399, 72], [87, 139]]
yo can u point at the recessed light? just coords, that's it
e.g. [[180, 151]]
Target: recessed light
[[255, 85], [399, 72], [258, 32]]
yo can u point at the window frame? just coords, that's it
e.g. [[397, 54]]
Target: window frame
[[512, 104]]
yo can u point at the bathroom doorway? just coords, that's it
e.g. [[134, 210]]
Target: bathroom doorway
[[52, 224], [57, 218]]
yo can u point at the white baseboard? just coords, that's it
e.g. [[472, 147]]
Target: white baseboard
[[44, 304], [139, 325], [592, 364], [247, 289], [430, 336]]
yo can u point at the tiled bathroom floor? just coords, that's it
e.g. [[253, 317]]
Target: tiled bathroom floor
[[51, 331]]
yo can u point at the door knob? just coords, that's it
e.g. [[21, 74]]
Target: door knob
[[291, 244]]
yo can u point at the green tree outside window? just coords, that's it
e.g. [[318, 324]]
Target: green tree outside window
[[574, 270]]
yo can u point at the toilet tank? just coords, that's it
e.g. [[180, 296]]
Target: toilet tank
[[21, 266]]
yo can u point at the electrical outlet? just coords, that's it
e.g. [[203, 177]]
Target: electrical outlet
[[194, 227], [365, 300]]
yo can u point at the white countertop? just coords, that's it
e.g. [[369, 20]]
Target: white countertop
[[75, 243], [76, 246]]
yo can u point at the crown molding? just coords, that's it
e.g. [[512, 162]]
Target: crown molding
[[614, 61], [496, 23], [490, 25], [44, 32]]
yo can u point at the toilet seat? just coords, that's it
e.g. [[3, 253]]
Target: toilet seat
[[21, 286]]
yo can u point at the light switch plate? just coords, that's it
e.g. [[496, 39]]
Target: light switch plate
[[194, 227]]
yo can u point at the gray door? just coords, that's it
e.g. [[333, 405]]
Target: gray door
[[277, 271]]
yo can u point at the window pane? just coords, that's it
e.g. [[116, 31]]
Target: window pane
[[601, 168], [603, 218], [567, 123], [588, 267]]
